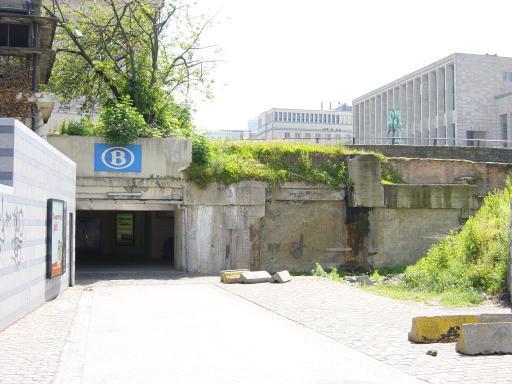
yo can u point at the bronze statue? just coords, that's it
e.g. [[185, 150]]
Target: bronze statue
[[394, 125]]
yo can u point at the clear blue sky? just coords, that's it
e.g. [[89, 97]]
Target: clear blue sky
[[295, 54]]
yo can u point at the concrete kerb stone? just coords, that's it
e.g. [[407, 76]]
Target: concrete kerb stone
[[485, 339], [281, 277], [444, 329], [231, 276], [255, 277]]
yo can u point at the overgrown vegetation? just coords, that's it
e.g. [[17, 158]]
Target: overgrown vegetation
[[387, 284], [231, 162], [473, 260], [389, 175], [331, 273], [84, 127], [269, 162], [464, 267], [448, 298]]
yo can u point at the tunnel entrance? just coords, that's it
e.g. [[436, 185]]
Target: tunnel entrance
[[124, 238]]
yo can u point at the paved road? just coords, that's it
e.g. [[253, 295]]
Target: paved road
[[185, 333], [114, 329]]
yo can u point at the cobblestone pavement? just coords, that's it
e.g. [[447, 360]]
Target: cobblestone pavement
[[377, 326], [31, 348]]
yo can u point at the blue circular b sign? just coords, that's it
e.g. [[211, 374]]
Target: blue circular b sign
[[117, 158], [110, 158]]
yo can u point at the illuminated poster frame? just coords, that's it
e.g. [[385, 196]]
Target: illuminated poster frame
[[125, 228], [56, 238]]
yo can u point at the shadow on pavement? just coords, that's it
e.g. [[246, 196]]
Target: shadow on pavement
[[87, 275]]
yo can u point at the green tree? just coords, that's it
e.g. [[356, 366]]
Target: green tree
[[145, 53]]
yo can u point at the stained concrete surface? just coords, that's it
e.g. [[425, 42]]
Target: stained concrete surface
[[186, 333]]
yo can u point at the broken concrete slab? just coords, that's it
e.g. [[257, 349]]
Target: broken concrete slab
[[444, 329], [281, 277], [361, 280], [364, 280], [255, 277], [485, 339], [231, 276]]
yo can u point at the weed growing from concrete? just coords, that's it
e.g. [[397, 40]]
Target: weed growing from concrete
[[274, 163], [330, 273]]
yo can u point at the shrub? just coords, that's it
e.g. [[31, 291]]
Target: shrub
[[123, 123], [200, 150], [84, 127], [319, 271]]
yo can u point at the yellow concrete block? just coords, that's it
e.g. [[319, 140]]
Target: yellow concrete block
[[439, 329], [231, 276]]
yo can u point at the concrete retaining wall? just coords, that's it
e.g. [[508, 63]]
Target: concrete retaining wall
[[39, 172], [304, 224], [293, 226], [161, 157], [403, 236], [486, 176], [479, 154], [401, 222], [220, 226], [247, 225]]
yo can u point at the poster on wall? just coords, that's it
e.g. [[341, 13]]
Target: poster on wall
[[124, 229], [56, 238]]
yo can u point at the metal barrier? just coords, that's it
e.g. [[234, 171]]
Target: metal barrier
[[409, 141], [434, 141]]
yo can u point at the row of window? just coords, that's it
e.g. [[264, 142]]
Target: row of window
[[14, 35], [307, 135], [300, 117], [507, 77], [504, 128]]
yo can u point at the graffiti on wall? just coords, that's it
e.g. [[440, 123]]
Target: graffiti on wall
[[11, 231]]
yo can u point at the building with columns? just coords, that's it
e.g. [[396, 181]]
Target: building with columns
[[461, 100]]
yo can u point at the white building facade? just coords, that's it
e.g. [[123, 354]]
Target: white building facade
[[307, 125], [462, 100], [226, 134]]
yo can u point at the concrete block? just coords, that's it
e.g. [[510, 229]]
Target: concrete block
[[485, 339], [444, 329], [305, 192], [431, 196], [281, 277], [365, 173], [255, 277], [244, 193], [231, 276], [361, 280], [364, 280]]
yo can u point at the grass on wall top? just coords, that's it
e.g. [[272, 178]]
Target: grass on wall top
[[231, 162]]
